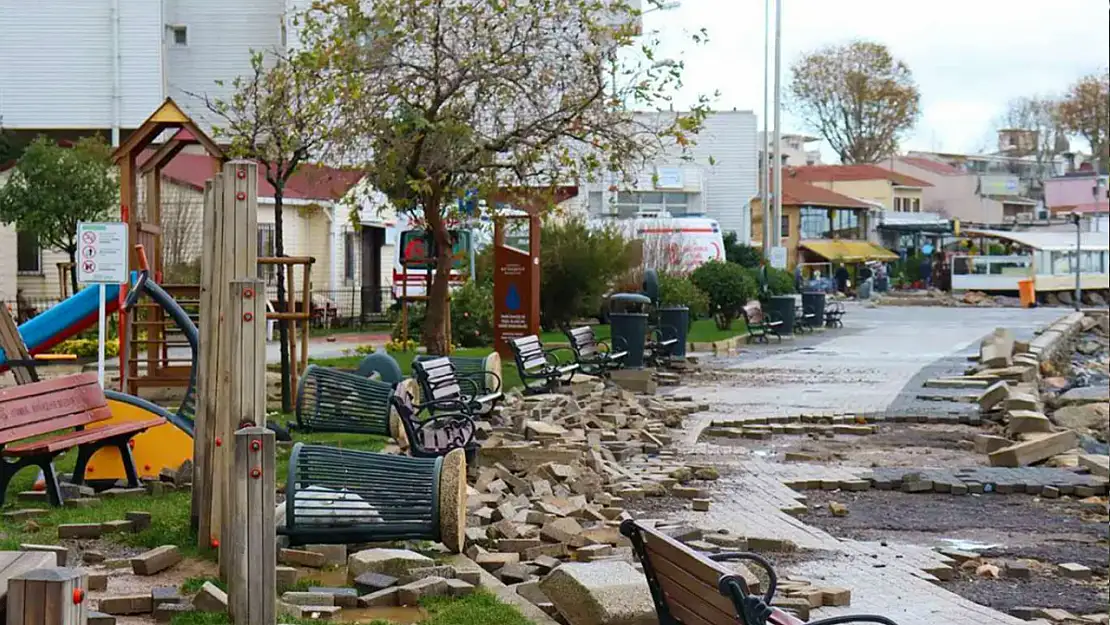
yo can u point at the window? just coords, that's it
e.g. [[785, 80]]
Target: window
[[830, 223], [28, 253], [179, 35], [266, 249], [629, 203], [350, 256], [916, 204], [785, 225]]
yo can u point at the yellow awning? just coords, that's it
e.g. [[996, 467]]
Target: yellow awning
[[848, 251]]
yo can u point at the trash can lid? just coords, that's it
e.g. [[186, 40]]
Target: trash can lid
[[629, 298]]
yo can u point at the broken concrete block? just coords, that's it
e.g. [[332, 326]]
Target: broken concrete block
[[80, 530], [835, 596], [300, 557], [392, 562], [992, 396], [387, 597], [210, 598], [156, 560], [1029, 452], [985, 443], [701, 505], [1026, 421], [600, 593], [997, 349], [411, 594], [307, 598], [127, 604], [1072, 570]]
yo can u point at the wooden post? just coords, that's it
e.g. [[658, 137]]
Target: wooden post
[[230, 252], [251, 545], [11, 344], [52, 596]]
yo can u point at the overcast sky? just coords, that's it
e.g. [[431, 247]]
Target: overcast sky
[[969, 57]]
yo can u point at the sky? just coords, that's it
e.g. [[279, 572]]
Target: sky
[[969, 57]]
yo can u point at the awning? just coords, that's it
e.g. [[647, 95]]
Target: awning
[[848, 251]]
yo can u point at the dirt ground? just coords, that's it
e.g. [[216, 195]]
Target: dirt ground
[[1004, 528], [894, 445]]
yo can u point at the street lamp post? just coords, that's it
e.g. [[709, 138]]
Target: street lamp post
[[1076, 219]]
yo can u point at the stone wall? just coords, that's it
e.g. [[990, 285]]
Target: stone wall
[[1054, 341]]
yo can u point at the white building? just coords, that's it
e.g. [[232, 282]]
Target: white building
[[718, 180], [110, 63], [794, 149]]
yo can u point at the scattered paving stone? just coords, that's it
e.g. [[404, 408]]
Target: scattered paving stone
[[1018, 570], [1075, 571], [166, 612], [444, 571], [310, 612], [599, 592], [156, 560], [300, 557], [333, 554], [62, 553], [308, 598], [342, 597], [838, 509], [100, 618], [701, 505], [459, 588], [286, 577], [140, 520], [124, 605], [411, 594], [80, 530], [96, 582], [165, 594], [392, 562], [834, 596], [373, 582], [384, 598], [210, 599]]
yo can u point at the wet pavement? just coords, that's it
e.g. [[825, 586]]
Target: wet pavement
[[876, 365]]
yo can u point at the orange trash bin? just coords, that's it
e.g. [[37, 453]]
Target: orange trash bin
[[1027, 293]]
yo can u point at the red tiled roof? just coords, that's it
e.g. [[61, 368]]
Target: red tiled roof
[[795, 193], [834, 173], [929, 164], [310, 182]]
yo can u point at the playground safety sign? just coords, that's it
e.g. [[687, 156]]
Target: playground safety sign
[[102, 253]]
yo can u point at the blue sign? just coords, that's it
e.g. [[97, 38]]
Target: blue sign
[[927, 249], [512, 298]]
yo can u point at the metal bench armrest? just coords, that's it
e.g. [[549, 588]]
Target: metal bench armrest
[[729, 556], [441, 404]]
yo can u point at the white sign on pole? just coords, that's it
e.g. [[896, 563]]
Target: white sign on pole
[[778, 257], [102, 259], [102, 253]]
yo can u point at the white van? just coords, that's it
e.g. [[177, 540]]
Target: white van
[[679, 244]]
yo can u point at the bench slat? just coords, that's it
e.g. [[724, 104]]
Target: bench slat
[[683, 614], [661, 546], [535, 363], [35, 415], [69, 440], [685, 589]]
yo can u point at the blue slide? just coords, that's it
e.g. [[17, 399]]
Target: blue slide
[[67, 318]]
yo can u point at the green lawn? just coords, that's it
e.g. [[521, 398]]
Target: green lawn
[[702, 331], [509, 377]]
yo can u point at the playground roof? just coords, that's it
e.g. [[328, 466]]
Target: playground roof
[[310, 182]]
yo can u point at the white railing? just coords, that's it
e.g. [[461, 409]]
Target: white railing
[[990, 273]]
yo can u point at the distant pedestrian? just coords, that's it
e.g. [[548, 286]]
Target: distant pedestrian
[[927, 271], [798, 278], [842, 276]]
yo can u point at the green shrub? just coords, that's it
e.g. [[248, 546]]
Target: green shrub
[[743, 255], [87, 348], [677, 290], [728, 287], [415, 322], [472, 315], [779, 281], [578, 265]]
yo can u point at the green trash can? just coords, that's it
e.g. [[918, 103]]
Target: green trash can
[[628, 324], [673, 324], [781, 308], [813, 302]]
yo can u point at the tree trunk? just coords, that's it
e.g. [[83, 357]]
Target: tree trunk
[[435, 338], [73, 269], [283, 324]]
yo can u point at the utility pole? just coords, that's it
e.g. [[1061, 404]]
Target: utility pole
[[776, 223], [764, 153]]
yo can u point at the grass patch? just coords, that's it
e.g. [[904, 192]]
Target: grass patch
[[510, 379], [192, 585], [480, 608]]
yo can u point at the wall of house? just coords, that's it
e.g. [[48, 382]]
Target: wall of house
[[1069, 192], [879, 191], [57, 63], [8, 268], [953, 196]]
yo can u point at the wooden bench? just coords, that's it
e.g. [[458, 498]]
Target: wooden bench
[[447, 424], [594, 357], [61, 414], [834, 315], [804, 320], [692, 588], [761, 325], [536, 364], [658, 348], [439, 380]]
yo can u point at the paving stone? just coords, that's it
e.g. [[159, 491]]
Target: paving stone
[[140, 521], [600, 592], [96, 582], [308, 598], [210, 599], [166, 612], [80, 530], [156, 560], [1073, 570], [368, 583], [286, 577], [300, 557], [124, 605], [60, 552], [165, 594], [387, 597], [1018, 570], [100, 618], [411, 594], [333, 554]]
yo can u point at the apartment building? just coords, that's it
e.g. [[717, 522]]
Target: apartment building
[[717, 178]]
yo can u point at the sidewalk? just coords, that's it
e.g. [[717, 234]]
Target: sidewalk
[[335, 346]]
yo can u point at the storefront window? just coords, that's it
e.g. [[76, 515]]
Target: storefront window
[[824, 223]]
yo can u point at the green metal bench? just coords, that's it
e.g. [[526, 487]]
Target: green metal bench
[[594, 357], [339, 496], [330, 400], [440, 379], [540, 370], [761, 325], [449, 425]]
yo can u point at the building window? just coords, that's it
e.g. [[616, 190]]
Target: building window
[[179, 35], [28, 253], [267, 249], [630, 203], [350, 257], [916, 204], [785, 225], [834, 223]]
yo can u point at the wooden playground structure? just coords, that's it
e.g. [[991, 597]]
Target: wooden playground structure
[[152, 353]]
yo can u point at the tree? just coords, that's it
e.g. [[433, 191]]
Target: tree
[[1037, 115], [502, 99], [52, 188], [181, 233], [741, 254], [1085, 112], [857, 96], [281, 116]]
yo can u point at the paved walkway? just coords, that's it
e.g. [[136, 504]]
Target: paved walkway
[[861, 368]]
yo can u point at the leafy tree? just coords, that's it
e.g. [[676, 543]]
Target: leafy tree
[[1085, 112], [579, 265], [741, 254], [53, 188], [857, 96], [1037, 115], [680, 290], [503, 99], [9, 147], [281, 116], [728, 287]]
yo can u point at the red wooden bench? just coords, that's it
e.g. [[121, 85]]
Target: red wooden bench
[[41, 420], [693, 588]]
